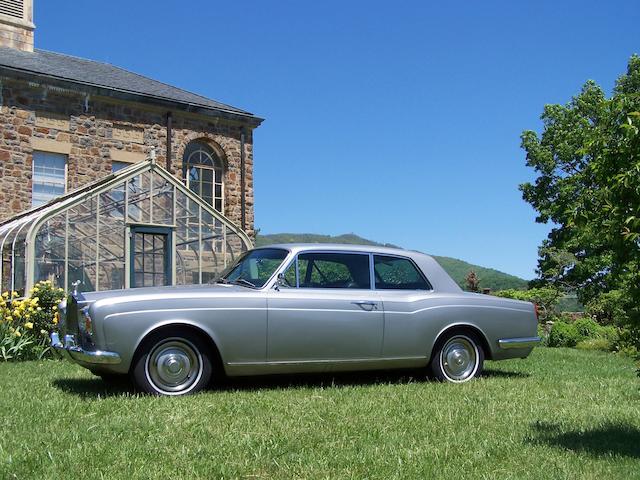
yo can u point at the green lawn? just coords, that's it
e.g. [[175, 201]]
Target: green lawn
[[559, 414]]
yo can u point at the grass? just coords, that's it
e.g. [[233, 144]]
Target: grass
[[559, 414]]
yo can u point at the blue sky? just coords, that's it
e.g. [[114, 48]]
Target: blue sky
[[398, 121]]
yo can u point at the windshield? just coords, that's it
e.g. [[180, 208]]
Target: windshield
[[255, 267]]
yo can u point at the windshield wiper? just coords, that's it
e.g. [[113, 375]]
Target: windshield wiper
[[221, 280], [242, 281]]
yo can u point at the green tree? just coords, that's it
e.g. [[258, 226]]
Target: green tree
[[587, 162]]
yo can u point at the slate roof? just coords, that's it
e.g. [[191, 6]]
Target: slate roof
[[104, 75]]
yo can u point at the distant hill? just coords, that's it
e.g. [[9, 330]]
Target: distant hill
[[457, 269]]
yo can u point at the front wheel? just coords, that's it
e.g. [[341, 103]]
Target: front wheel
[[457, 358], [173, 363]]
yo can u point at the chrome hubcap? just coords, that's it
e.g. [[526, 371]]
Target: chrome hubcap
[[174, 366], [459, 359]]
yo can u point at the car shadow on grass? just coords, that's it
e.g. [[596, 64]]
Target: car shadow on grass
[[97, 388], [91, 388], [607, 440], [490, 373]]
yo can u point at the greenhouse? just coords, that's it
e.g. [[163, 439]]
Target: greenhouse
[[137, 227]]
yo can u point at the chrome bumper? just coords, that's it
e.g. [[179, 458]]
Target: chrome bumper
[[522, 342], [76, 353]]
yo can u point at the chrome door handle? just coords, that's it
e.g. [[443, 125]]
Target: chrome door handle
[[363, 303]]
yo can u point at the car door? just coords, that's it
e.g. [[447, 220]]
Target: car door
[[408, 301], [327, 312]]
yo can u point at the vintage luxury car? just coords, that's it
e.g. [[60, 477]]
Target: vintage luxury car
[[296, 308]]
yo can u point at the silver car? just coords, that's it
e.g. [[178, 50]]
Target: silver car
[[296, 308]]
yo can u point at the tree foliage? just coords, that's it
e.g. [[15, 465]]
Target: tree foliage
[[587, 162]]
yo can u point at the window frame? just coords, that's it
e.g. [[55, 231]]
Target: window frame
[[372, 281], [33, 174], [215, 164], [418, 269], [168, 254]]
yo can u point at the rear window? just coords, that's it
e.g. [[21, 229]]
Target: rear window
[[394, 273]]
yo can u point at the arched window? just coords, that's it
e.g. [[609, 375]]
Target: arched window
[[204, 173]]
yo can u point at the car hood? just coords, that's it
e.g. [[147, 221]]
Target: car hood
[[149, 293]]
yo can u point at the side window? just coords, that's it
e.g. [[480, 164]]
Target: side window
[[48, 177], [334, 270], [393, 273], [290, 275]]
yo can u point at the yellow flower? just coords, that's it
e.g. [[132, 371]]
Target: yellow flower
[[54, 308], [17, 333], [14, 294], [28, 325], [43, 332], [39, 308], [5, 294], [35, 299]]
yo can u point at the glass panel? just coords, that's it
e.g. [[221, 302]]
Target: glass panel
[[112, 202], [212, 248], [334, 270], [234, 247], [187, 220], [393, 273], [162, 201], [203, 171], [290, 276], [187, 263], [111, 250], [150, 259], [82, 245], [117, 166], [6, 258], [48, 177], [257, 267], [49, 251], [139, 191]]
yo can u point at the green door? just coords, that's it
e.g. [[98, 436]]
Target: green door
[[150, 256]]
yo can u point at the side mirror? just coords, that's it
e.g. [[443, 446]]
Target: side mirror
[[280, 282]]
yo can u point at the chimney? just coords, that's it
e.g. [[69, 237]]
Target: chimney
[[16, 24]]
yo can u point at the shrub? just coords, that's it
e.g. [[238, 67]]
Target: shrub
[[628, 341], [598, 343], [587, 327], [564, 335], [25, 323], [546, 298]]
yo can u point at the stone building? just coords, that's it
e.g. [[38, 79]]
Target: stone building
[[68, 121]]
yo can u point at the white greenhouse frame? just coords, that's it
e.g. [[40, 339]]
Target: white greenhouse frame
[[18, 234]]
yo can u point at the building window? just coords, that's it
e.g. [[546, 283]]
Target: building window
[[49, 177], [203, 174], [117, 166]]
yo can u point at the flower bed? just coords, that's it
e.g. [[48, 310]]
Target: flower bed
[[25, 323]]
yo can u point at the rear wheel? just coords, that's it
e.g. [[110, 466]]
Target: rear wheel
[[175, 362], [458, 357]]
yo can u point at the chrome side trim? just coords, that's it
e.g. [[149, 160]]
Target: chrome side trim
[[74, 352], [522, 342], [323, 362]]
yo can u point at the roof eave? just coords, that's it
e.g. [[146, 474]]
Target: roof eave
[[101, 90]]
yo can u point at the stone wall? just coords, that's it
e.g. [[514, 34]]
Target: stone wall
[[94, 131]]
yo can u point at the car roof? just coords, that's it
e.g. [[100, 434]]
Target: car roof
[[299, 247], [439, 279]]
